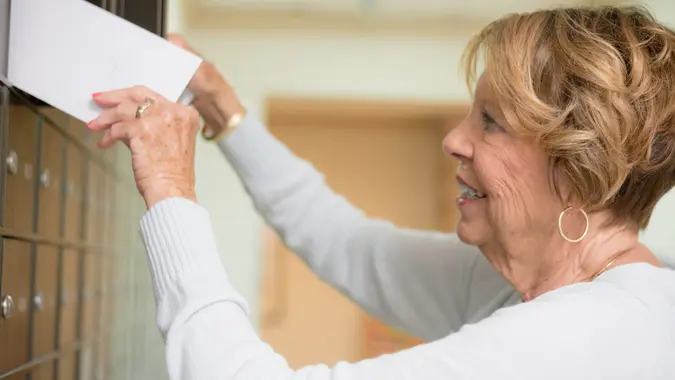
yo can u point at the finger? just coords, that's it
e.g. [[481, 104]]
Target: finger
[[208, 131], [136, 94], [118, 132], [180, 42], [110, 116]]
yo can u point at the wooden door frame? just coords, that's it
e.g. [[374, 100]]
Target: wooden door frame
[[292, 109], [283, 110]]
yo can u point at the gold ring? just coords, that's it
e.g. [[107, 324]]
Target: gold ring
[[144, 106]]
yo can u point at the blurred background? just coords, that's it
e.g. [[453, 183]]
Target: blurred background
[[364, 89]]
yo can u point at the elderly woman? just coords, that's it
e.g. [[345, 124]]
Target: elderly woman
[[568, 146]]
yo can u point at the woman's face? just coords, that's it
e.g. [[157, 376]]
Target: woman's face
[[506, 196]]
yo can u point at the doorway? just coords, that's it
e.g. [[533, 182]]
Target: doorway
[[386, 159]]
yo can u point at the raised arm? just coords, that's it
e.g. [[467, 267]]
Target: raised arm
[[420, 281]]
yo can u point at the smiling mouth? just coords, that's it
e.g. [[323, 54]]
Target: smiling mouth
[[468, 193]]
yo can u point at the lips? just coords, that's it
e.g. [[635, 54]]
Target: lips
[[467, 191]]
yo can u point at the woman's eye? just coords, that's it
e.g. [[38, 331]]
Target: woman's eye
[[489, 123]]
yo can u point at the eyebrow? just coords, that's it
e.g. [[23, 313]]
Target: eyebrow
[[482, 98], [495, 112]]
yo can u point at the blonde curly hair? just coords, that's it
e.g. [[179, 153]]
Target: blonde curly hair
[[595, 87]]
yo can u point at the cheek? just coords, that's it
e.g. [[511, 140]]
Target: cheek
[[498, 172], [514, 173]]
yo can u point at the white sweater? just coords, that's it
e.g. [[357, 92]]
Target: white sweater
[[620, 326]]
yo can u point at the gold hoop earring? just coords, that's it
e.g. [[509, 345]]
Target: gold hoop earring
[[560, 228]]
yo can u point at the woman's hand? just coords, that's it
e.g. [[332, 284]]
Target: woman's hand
[[161, 140], [215, 99]]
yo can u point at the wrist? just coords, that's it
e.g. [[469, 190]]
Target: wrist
[[223, 115], [154, 196], [226, 102]]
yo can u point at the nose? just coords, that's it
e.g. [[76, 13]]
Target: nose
[[458, 142]]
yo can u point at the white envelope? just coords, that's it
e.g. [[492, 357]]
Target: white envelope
[[63, 51]]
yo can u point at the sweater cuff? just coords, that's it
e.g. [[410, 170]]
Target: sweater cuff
[[183, 256]]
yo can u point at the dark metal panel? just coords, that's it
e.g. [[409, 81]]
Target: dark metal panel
[[21, 165], [14, 324], [49, 181], [148, 14], [4, 121], [44, 300]]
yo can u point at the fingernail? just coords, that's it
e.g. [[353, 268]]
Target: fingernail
[[90, 124], [96, 94]]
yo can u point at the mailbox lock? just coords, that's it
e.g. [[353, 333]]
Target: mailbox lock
[[7, 306], [38, 301], [45, 178], [12, 161]]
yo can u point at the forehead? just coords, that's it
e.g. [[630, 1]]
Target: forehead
[[483, 91], [484, 94]]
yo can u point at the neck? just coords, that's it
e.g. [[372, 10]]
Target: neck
[[533, 273]]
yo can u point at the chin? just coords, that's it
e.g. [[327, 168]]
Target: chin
[[471, 233]]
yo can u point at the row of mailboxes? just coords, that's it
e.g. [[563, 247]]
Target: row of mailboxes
[[75, 296], [47, 170], [68, 241]]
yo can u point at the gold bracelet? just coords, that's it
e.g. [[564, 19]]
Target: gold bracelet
[[232, 124]]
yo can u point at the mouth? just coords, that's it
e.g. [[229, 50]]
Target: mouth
[[468, 193]]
